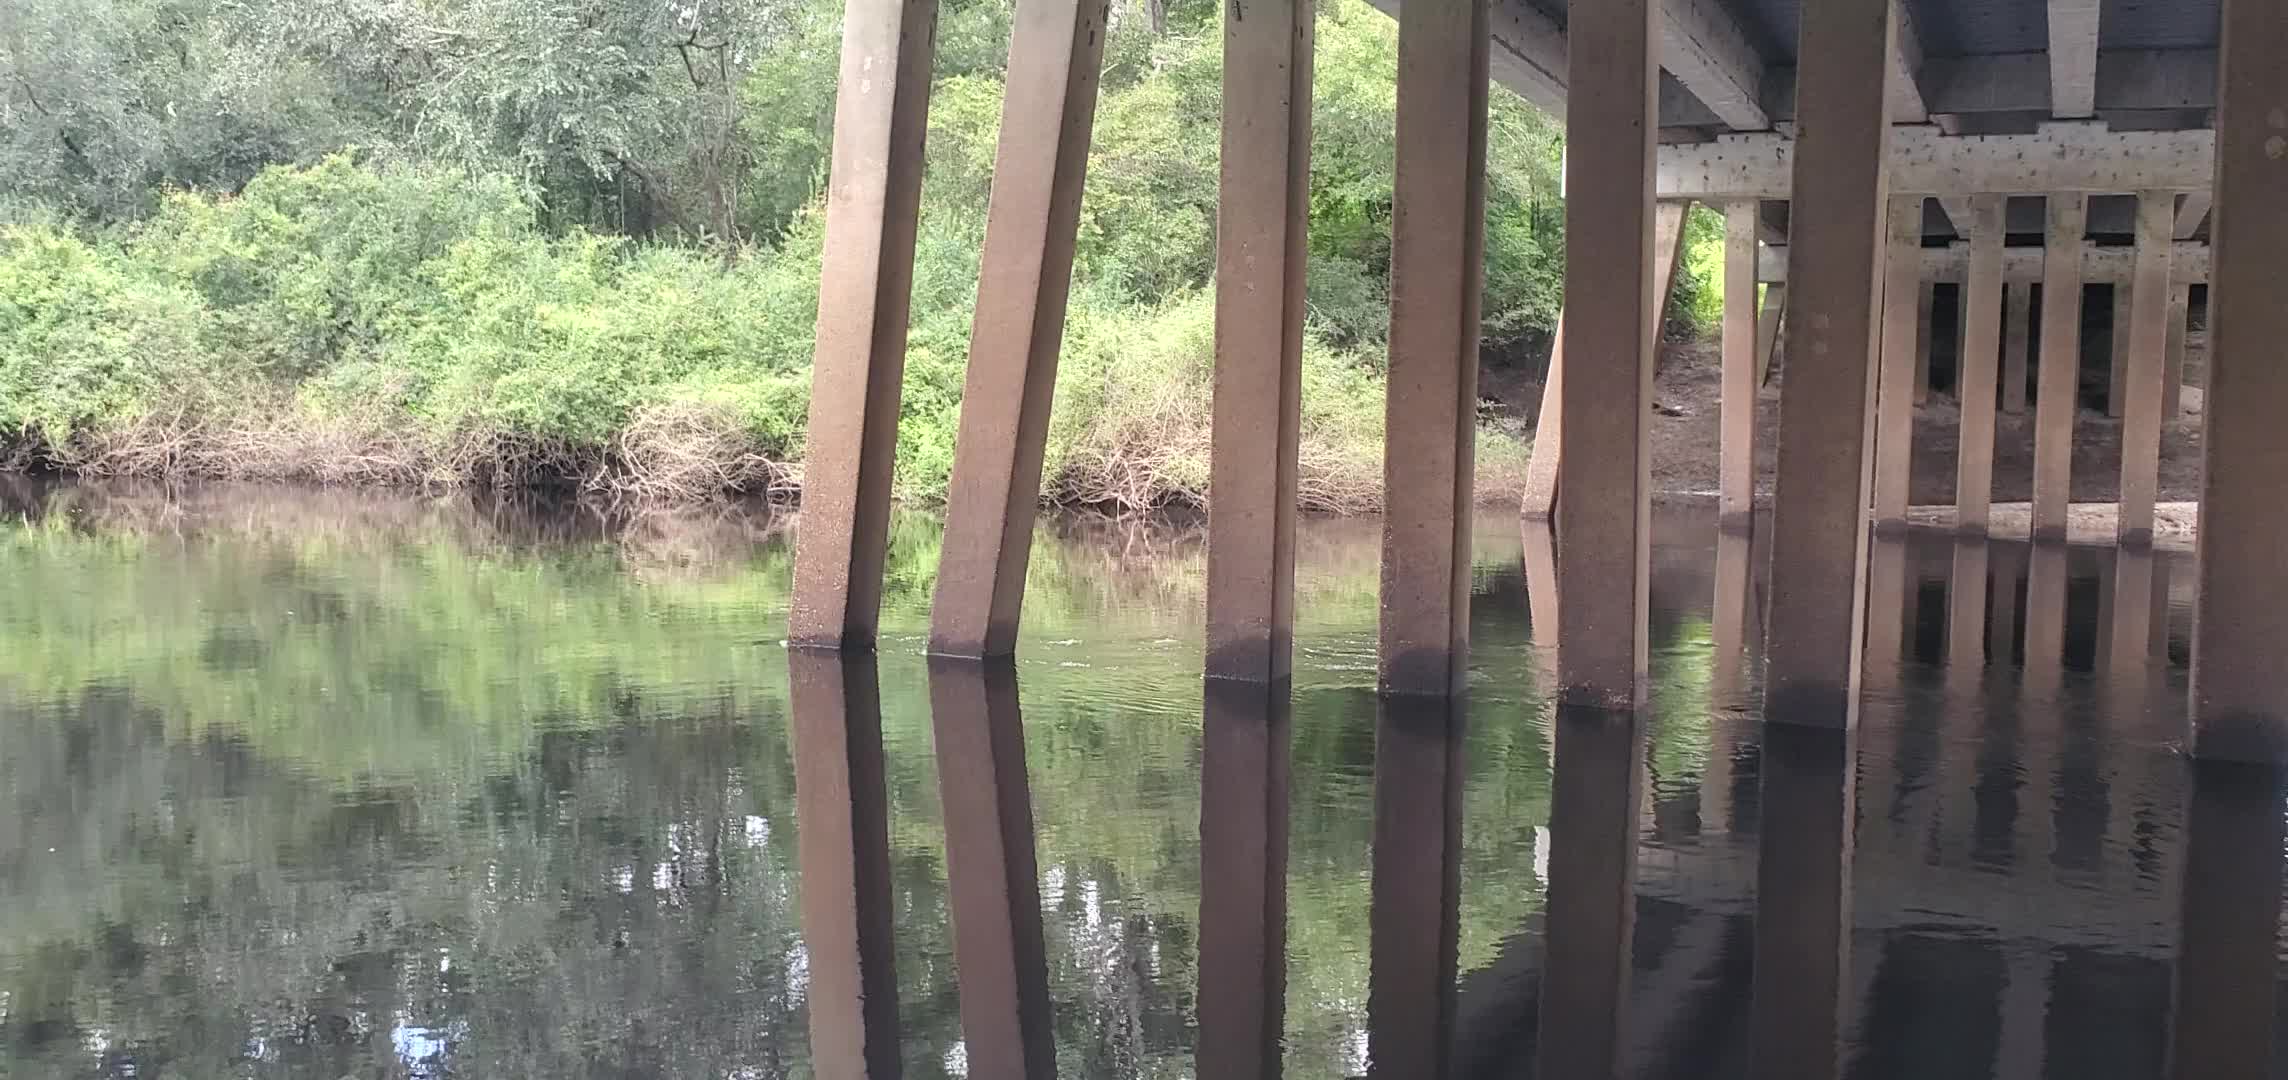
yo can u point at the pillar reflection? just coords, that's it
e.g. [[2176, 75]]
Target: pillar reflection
[[1592, 890], [2227, 965], [1243, 879], [1803, 902], [1418, 774], [842, 812]]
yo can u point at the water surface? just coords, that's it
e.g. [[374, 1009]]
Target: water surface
[[301, 783]]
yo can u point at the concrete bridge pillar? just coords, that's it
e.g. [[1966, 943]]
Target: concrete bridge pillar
[[1047, 113], [1836, 266], [1736, 449], [1974, 372], [1436, 268], [1906, 322], [2017, 341], [992, 875], [1926, 320], [1604, 536], [2142, 369], [1244, 768], [2117, 367], [1769, 325], [2057, 389], [2173, 375], [865, 288], [2240, 704], [1260, 257], [842, 815]]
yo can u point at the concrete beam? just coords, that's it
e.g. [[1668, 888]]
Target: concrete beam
[[1956, 87], [865, 292], [1923, 161], [1703, 46], [1264, 197], [1527, 53], [2192, 210], [1436, 267], [2101, 264], [1604, 502], [1736, 443], [1056, 52], [2073, 58], [2240, 706], [1908, 102]]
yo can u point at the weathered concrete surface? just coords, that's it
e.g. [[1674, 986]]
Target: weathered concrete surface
[[1812, 648], [865, 289], [1436, 267], [1736, 465], [1047, 112], [1260, 256], [2058, 378], [1974, 382], [2240, 703], [2142, 369], [1906, 315], [1604, 534]]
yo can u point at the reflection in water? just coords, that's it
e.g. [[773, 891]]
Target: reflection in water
[[1244, 763], [842, 810], [322, 785], [1418, 778], [992, 878]]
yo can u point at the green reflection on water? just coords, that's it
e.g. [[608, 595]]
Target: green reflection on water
[[324, 783]]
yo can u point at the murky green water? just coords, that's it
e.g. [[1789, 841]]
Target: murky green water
[[328, 784]]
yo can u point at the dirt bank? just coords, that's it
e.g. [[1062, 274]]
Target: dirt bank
[[1684, 436]]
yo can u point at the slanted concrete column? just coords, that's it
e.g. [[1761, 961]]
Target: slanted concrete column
[[842, 818], [992, 875], [2173, 375], [1604, 538], [2148, 341], [2227, 974], [1437, 256], [1926, 320], [1244, 768], [1974, 375], [1260, 255], [2056, 384], [2017, 341], [865, 288], [2240, 702], [1541, 471], [1736, 443], [1905, 323], [1047, 113], [1768, 326], [1591, 909], [1836, 263], [2117, 369]]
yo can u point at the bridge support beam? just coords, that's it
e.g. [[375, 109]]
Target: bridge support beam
[[2142, 375], [2173, 374], [1736, 441], [2240, 708], [1604, 538], [2017, 342], [1541, 473], [1047, 112], [1436, 264], [1769, 324], [1906, 318], [865, 289], [1974, 374], [2117, 363], [2056, 389], [1260, 257], [1818, 531], [1926, 323]]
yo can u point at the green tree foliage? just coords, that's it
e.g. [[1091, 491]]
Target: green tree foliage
[[495, 238]]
